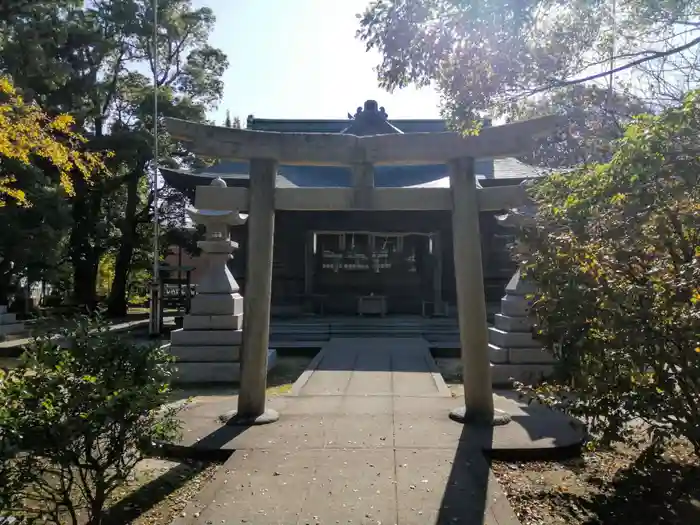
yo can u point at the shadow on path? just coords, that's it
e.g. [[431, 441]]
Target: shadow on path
[[152, 493], [209, 450], [465, 499]]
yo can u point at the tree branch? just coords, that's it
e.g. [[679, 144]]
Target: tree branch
[[653, 56]]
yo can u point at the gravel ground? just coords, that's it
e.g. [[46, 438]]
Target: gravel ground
[[608, 487], [605, 487]]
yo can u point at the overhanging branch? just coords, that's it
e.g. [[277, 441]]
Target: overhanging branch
[[653, 55]]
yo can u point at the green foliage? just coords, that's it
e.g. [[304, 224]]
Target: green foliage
[[484, 55], [95, 61], [105, 274], [32, 238], [595, 116], [616, 252], [75, 418]]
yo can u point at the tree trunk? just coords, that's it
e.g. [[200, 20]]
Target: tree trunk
[[85, 280], [85, 256], [117, 304]]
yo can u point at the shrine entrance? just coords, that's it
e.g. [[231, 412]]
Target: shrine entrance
[[221, 206], [373, 272]]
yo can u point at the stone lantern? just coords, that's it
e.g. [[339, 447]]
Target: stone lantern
[[208, 346], [516, 354]]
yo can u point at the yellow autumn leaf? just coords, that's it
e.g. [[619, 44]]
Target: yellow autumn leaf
[[28, 133]]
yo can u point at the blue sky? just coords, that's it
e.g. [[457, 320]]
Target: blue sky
[[300, 59]]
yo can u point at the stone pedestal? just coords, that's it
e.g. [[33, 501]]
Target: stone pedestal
[[8, 323], [515, 353], [208, 346]]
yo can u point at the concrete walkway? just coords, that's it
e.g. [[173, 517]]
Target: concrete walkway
[[119, 327], [372, 367], [366, 439]]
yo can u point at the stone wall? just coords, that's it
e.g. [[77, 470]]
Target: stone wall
[[8, 323]]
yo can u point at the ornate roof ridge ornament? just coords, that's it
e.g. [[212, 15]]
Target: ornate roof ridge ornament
[[370, 120]]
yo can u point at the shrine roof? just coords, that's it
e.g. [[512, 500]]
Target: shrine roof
[[367, 120]]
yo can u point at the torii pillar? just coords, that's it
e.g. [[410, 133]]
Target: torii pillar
[[256, 306], [471, 306]]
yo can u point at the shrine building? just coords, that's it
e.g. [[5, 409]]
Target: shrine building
[[350, 262]]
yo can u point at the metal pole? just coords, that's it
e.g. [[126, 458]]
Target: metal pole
[[155, 320]]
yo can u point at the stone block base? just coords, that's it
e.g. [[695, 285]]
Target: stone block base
[[515, 305], [533, 355], [10, 329], [184, 337], [8, 323], [213, 322], [214, 372], [510, 339], [217, 304], [6, 318], [498, 354], [509, 323], [208, 354], [518, 356]]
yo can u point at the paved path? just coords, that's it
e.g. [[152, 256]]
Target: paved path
[[119, 327], [365, 440], [372, 367]]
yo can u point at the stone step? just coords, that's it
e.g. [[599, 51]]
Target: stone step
[[510, 339], [359, 328], [301, 337], [362, 335], [443, 338], [303, 344], [298, 329]]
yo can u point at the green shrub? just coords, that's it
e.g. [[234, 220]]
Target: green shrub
[[75, 419], [615, 249]]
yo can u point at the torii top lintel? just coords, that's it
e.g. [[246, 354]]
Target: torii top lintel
[[333, 149]]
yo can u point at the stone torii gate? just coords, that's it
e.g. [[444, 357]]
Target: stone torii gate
[[266, 150]]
